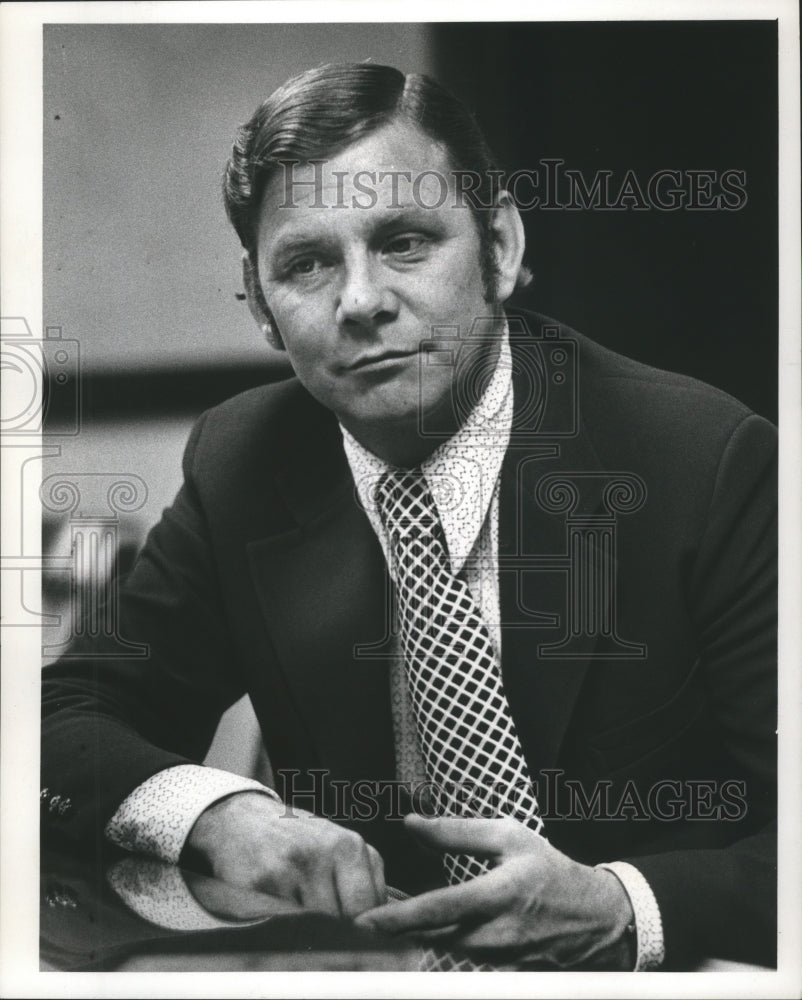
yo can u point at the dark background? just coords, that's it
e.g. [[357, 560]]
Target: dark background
[[141, 267], [690, 291]]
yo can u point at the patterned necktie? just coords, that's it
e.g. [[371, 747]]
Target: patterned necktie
[[471, 750]]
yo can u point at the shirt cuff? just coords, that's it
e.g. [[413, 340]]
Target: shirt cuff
[[158, 893], [156, 818], [648, 923]]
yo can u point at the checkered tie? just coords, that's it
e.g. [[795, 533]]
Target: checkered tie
[[471, 750]]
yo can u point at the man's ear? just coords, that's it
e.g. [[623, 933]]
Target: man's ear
[[257, 305], [509, 243]]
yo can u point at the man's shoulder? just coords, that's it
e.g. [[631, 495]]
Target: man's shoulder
[[249, 453], [270, 400], [618, 394], [641, 417], [269, 421], [625, 382]]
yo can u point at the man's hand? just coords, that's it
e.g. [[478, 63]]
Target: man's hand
[[534, 905], [251, 840]]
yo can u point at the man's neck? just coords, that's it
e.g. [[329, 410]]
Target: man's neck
[[399, 445]]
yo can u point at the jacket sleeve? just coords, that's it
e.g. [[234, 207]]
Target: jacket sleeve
[[109, 721], [722, 901]]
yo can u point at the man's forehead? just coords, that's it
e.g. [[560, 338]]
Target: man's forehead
[[398, 145], [393, 161]]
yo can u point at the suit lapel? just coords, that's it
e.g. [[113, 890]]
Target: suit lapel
[[322, 589], [534, 582]]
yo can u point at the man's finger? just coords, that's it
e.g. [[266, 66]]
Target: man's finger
[[376, 863], [443, 937], [318, 892], [480, 898], [486, 838], [356, 885]]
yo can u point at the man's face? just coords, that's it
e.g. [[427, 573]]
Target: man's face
[[355, 290]]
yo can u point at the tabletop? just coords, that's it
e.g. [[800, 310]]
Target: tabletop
[[125, 913]]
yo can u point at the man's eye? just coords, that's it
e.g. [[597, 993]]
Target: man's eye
[[304, 267], [406, 244]]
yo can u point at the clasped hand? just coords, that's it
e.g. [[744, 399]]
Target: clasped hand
[[254, 841], [534, 905]]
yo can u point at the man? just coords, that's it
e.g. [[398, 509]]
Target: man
[[466, 554]]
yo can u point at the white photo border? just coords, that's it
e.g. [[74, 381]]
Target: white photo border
[[21, 30]]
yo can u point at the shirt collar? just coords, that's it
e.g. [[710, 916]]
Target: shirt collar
[[461, 473]]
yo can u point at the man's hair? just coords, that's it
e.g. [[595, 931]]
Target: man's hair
[[320, 112]]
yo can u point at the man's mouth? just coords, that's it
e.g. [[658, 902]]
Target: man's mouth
[[380, 357]]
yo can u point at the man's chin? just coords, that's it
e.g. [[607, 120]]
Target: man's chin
[[404, 433], [406, 420], [406, 411]]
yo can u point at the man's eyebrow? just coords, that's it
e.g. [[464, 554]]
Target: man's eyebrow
[[386, 219], [403, 215], [290, 243]]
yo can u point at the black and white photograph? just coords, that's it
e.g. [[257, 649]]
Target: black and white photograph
[[392, 414]]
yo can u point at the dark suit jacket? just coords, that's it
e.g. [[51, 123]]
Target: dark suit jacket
[[265, 576]]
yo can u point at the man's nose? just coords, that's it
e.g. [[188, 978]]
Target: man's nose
[[365, 300]]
